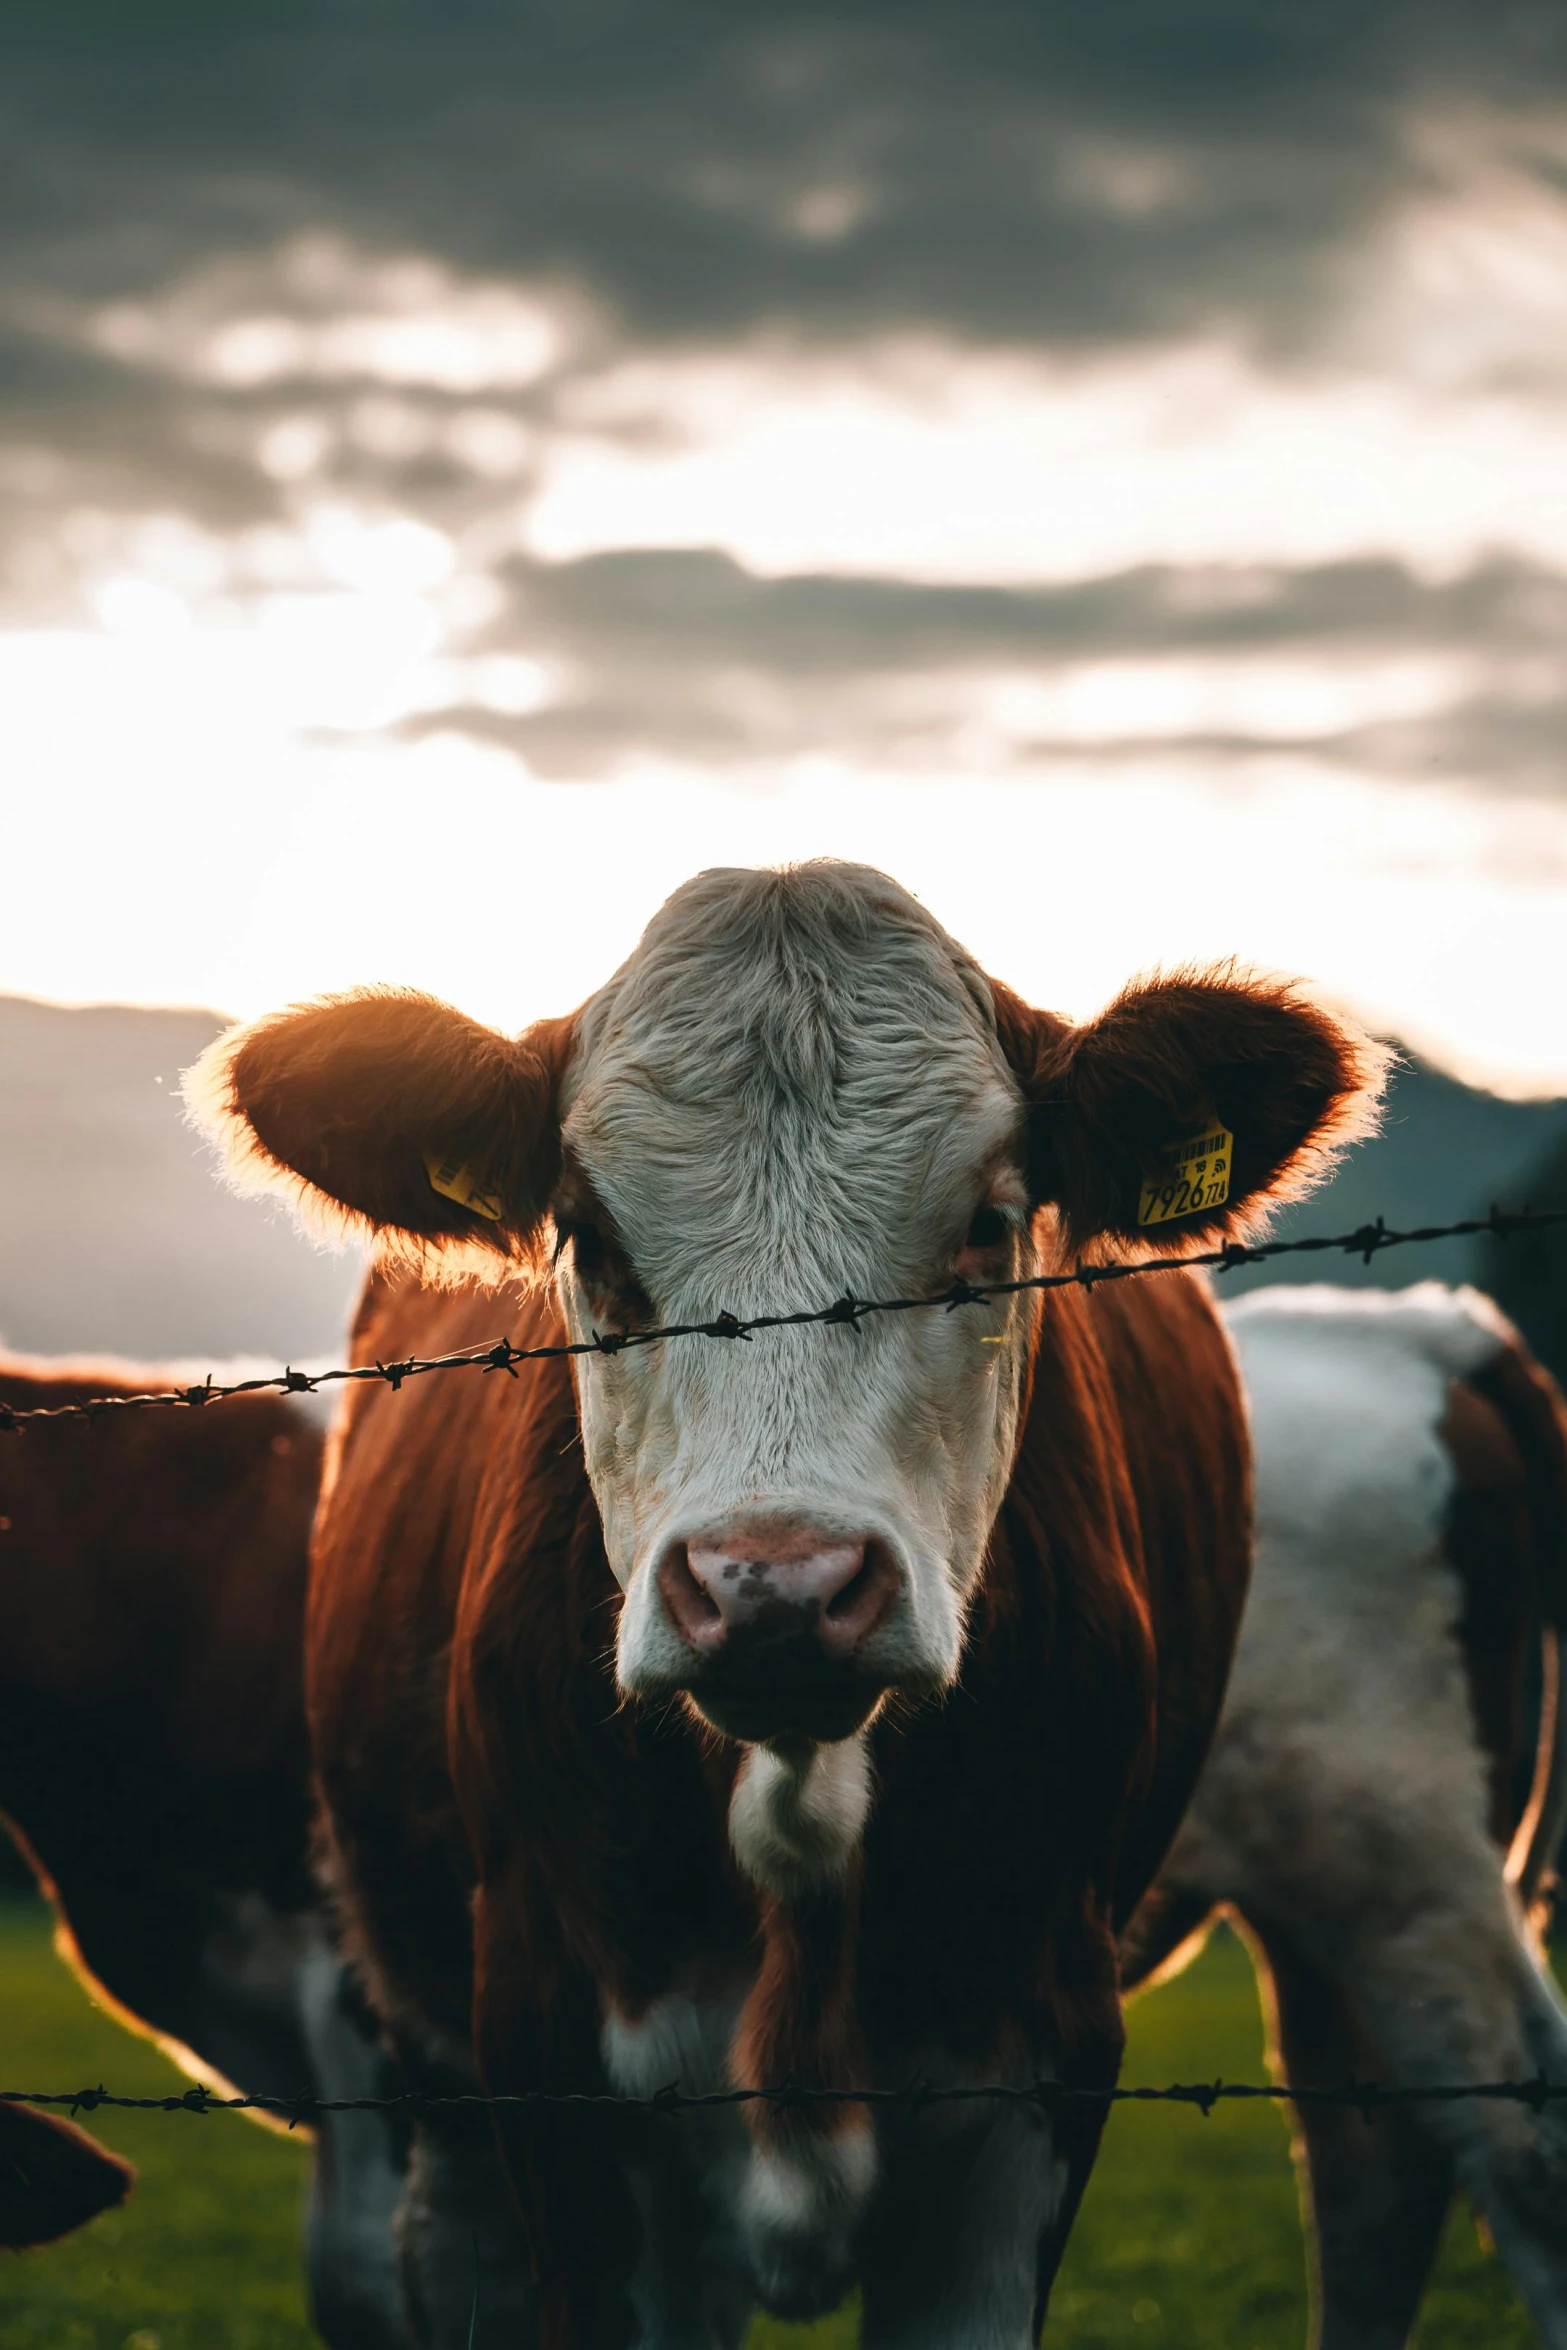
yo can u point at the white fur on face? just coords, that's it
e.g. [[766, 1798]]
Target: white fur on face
[[793, 1090]]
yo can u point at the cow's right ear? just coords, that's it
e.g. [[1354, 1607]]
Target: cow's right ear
[[387, 1115]]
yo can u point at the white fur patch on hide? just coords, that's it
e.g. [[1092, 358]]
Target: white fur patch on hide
[[795, 1820], [682, 2041]]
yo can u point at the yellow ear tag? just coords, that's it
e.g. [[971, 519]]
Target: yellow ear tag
[[1193, 1177], [463, 1185]]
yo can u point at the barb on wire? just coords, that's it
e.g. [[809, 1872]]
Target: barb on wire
[[1365, 1242], [1365, 2097]]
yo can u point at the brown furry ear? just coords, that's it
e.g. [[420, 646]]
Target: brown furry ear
[[53, 2177], [384, 1114], [1171, 1056]]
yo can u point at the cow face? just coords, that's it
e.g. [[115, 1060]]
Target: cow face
[[794, 1092], [797, 1088]]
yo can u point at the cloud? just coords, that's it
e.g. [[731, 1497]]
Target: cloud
[[1016, 174], [1087, 382], [660, 601], [1514, 742], [684, 655]]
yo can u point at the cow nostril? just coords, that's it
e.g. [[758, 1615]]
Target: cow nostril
[[861, 1606], [695, 1612], [849, 1600]]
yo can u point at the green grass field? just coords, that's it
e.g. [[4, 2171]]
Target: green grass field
[[1188, 2235]]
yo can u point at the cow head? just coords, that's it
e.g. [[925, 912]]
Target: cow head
[[797, 1088]]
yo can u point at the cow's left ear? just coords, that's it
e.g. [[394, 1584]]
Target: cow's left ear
[[1121, 1108]]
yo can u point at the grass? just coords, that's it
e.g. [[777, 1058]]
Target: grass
[[1188, 2234], [206, 2254]]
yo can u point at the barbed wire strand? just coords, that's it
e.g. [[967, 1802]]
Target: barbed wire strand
[[1366, 1241], [1367, 2097]]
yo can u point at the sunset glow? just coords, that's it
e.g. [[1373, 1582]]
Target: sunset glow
[[449, 617]]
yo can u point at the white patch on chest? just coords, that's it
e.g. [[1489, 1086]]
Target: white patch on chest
[[795, 1821]]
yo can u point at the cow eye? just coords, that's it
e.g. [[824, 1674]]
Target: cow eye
[[988, 1229], [587, 1247], [602, 1269]]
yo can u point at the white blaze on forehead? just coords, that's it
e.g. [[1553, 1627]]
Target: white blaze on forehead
[[791, 1088]]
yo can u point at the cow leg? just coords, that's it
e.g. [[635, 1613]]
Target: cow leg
[[1374, 2190], [969, 2228], [464, 2264], [461, 2255], [357, 2177], [1446, 1988], [356, 2186], [1522, 2188], [1474, 2003]]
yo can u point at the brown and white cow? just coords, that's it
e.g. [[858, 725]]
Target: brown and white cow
[[154, 1766], [815, 1707], [1383, 1804]]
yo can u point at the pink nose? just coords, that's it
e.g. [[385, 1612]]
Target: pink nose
[[779, 1577]]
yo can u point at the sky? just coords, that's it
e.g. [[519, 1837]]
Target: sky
[[464, 468]]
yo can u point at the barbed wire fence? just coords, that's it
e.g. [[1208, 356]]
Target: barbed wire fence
[[1367, 2097], [1367, 1241]]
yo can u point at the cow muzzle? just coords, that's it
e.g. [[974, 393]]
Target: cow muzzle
[[784, 1624]]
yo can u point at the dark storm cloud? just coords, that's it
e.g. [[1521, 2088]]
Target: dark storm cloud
[[123, 424], [1052, 177], [79, 431], [1026, 172], [687, 654]]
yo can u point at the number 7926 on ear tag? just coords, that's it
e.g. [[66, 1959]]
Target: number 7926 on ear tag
[[1192, 1177]]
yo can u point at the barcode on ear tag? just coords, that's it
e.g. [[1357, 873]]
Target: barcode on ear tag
[[460, 1183], [1193, 1176]]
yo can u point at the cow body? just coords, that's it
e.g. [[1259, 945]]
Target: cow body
[[151, 1756], [1374, 1810], [811, 1707], [619, 1946], [154, 1767]]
